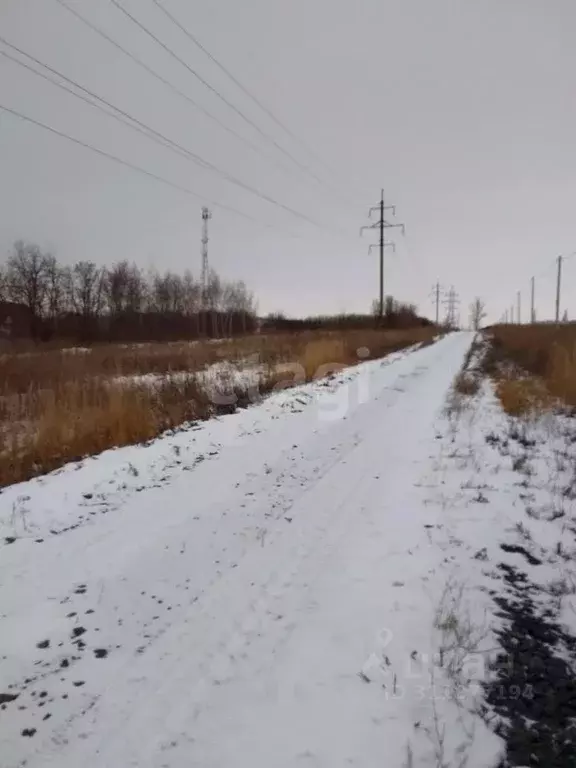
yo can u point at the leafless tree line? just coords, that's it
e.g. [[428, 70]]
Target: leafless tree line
[[121, 301], [393, 307]]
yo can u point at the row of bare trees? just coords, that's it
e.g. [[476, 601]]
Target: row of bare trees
[[121, 301], [396, 312]]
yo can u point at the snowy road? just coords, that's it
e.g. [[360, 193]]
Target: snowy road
[[229, 612]]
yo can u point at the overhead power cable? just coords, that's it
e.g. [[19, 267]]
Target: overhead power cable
[[256, 100], [164, 80], [94, 104], [237, 82], [125, 163], [167, 142], [214, 90]]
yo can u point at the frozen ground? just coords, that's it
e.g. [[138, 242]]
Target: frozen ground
[[307, 582]]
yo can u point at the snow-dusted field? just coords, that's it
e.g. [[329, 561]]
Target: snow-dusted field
[[303, 583]]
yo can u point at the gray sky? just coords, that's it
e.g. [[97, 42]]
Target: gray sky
[[464, 111]]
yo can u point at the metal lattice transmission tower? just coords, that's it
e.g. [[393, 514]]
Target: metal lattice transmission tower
[[206, 216], [382, 225], [451, 302]]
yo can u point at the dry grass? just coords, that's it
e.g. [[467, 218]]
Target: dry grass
[[57, 407], [466, 384], [543, 370], [521, 395]]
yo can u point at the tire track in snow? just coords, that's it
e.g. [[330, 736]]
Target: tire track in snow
[[240, 596], [253, 617]]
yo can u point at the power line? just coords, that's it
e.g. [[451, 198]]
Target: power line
[[125, 163], [237, 82], [66, 89], [163, 80], [146, 129], [211, 88], [164, 140], [334, 189]]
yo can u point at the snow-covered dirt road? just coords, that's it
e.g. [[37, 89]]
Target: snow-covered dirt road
[[257, 591]]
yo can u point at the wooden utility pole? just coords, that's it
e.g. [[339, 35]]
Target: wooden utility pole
[[532, 308], [558, 285]]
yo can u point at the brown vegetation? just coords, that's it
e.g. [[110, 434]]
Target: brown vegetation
[[466, 384], [62, 405], [534, 365]]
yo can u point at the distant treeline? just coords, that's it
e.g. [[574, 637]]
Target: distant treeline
[[396, 315], [42, 299]]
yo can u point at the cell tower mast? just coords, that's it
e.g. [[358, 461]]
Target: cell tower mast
[[206, 216]]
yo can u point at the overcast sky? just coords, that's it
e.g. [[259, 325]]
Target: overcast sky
[[464, 111]]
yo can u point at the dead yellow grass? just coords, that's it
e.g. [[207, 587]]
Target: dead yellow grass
[[544, 366], [57, 408], [322, 357], [523, 395]]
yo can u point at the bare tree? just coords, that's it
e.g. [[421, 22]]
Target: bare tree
[[477, 313], [86, 288], [27, 277], [163, 291], [176, 292], [192, 294], [116, 282], [55, 290], [238, 303], [125, 289], [123, 293], [4, 287], [137, 290], [214, 295]]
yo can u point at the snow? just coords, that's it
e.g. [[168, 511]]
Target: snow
[[270, 588], [76, 351], [217, 378]]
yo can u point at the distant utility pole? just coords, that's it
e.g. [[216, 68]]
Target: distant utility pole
[[451, 301], [436, 295], [558, 285], [518, 304], [532, 307], [382, 225], [512, 314], [206, 216]]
